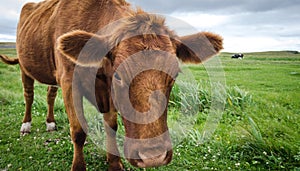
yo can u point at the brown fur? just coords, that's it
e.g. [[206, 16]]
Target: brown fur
[[71, 26]]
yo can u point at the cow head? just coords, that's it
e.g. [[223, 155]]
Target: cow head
[[142, 56]]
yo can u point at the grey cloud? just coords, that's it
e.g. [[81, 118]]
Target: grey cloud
[[215, 6], [9, 16], [8, 26], [268, 18], [9, 4]]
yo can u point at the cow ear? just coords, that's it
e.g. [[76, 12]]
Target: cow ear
[[83, 48], [198, 47]]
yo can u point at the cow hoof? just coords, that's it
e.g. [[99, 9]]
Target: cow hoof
[[25, 128], [50, 126]]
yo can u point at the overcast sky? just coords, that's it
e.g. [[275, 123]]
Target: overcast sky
[[246, 25]]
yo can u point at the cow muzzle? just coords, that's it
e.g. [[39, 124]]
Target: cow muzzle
[[151, 157], [148, 153]]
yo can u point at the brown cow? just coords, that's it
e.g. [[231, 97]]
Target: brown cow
[[129, 66]]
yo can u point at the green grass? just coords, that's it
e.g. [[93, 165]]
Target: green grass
[[259, 128]]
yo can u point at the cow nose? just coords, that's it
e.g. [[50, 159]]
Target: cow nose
[[153, 157]]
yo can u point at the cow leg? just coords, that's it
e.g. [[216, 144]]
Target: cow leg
[[77, 133], [51, 95], [28, 86], [113, 156]]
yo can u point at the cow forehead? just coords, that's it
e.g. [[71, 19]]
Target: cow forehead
[[147, 60], [160, 46], [138, 23]]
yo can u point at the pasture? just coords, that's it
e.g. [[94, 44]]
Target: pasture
[[259, 128]]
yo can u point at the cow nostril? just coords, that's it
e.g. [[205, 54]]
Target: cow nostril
[[152, 159], [153, 156]]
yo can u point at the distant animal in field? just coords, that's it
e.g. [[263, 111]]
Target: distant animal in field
[[130, 67], [238, 56]]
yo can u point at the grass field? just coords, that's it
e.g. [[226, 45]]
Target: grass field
[[259, 128]]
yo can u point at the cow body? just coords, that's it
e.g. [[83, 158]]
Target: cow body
[[238, 56], [134, 65], [41, 24]]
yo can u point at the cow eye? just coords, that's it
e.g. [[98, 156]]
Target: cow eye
[[117, 77]]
